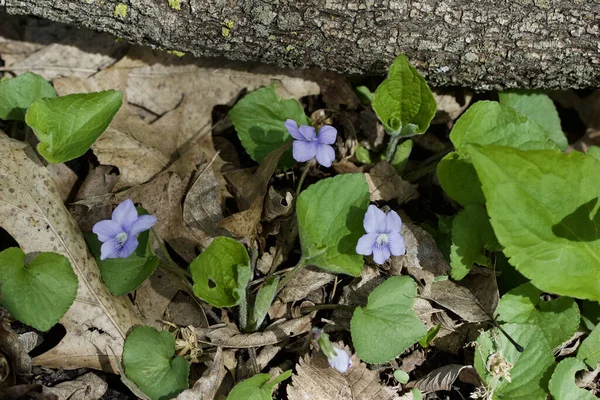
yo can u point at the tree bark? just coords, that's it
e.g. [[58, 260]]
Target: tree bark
[[483, 44]]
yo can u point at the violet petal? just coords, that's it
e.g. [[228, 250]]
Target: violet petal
[[393, 223], [107, 229], [327, 134], [374, 221], [396, 244], [304, 151], [381, 254], [365, 244], [325, 155], [292, 127], [125, 214], [143, 223]]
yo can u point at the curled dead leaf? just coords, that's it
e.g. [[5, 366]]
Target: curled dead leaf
[[386, 184]]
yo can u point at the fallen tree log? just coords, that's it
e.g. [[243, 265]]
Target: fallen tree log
[[483, 44]]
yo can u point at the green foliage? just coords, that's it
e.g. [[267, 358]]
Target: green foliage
[[221, 273], [403, 102], [594, 151], [562, 384], [527, 372], [387, 325], [68, 126], [124, 275], [362, 155], [472, 234], [259, 120], [364, 94], [589, 351], [259, 387], [543, 206], [39, 293], [330, 216], [19, 93], [150, 362], [558, 319], [401, 376], [263, 301], [431, 334], [537, 107], [401, 156], [485, 123]]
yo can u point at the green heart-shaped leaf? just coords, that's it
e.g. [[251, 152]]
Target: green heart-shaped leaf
[[18, 94], [589, 351], [259, 120], [40, 293], [330, 217], [221, 273], [68, 126], [387, 325], [150, 362]]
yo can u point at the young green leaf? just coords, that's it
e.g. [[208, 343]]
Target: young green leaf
[[330, 218], [543, 206], [19, 93], [537, 107], [259, 387], [403, 102], [68, 126], [562, 384], [362, 155], [263, 301], [150, 362], [259, 120], [364, 94], [558, 319], [594, 151], [401, 376], [485, 122], [40, 293], [124, 275], [472, 234], [508, 373], [589, 351], [387, 325], [221, 272], [431, 334]]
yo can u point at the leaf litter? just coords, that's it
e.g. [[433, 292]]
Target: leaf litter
[[162, 150]]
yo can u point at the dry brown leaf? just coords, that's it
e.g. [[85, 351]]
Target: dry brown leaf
[[202, 208], [33, 213], [315, 379], [278, 205], [308, 281], [153, 296], [86, 387], [474, 298], [183, 310], [423, 260], [71, 52], [13, 346], [206, 387], [34, 391], [386, 184], [450, 104], [64, 177], [444, 377], [229, 337], [250, 191]]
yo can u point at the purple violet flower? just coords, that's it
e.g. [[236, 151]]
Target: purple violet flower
[[119, 234], [383, 235], [340, 360], [307, 145]]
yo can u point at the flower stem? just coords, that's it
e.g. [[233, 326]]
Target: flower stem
[[291, 275], [391, 150], [169, 263], [304, 173]]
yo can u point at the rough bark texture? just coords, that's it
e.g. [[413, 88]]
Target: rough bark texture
[[478, 43]]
